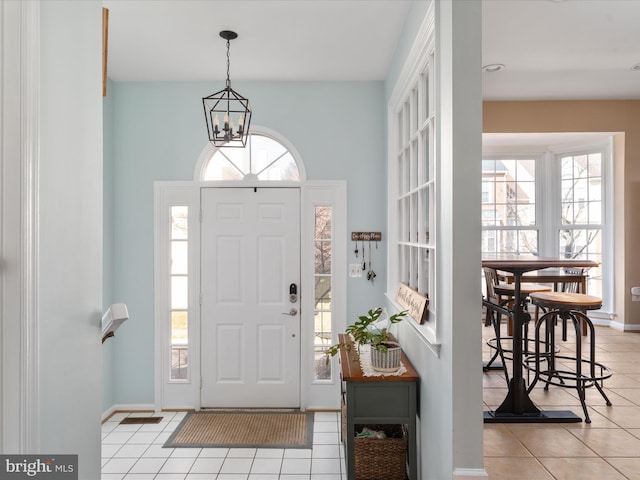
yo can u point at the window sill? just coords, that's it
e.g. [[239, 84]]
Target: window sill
[[426, 333]]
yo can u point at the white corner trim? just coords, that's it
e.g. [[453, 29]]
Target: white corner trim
[[30, 141], [19, 160]]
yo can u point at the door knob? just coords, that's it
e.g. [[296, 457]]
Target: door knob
[[292, 312]]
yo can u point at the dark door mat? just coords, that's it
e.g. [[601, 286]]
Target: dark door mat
[[140, 420]]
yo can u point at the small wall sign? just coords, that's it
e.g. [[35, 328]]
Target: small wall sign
[[413, 302], [366, 236]]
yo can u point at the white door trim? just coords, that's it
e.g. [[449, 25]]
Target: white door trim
[[187, 394]]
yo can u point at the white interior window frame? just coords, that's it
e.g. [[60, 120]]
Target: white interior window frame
[[422, 58]]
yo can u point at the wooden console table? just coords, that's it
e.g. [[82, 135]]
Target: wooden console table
[[392, 399]]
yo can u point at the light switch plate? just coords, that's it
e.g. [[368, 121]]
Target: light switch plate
[[355, 270]]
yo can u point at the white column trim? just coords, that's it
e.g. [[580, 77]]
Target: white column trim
[[30, 156], [19, 157]]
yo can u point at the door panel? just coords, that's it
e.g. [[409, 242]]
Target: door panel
[[271, 344], [230, 353], [270, 258], [250, 343], [230, 269]]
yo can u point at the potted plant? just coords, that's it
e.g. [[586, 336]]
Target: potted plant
[[385, 352]]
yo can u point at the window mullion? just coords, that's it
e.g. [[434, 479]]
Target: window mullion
[[548, 192]]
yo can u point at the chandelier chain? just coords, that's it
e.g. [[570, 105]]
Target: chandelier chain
[[228, 62]]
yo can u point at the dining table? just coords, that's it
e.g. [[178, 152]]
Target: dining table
[[555, 276], [517, 407]]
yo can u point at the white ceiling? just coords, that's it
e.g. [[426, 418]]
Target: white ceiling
[[278, 40], [572, 49]]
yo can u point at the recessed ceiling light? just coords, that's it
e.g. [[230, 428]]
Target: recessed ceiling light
[[636, 67], [493, 67]]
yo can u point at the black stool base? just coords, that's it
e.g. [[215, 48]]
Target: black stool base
[[550, 416], [491, 365]]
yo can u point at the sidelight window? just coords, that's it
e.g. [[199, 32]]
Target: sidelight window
[[323, 327], [179, 285]]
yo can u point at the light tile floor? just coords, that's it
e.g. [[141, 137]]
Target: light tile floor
[[606, 449], [135, 452]]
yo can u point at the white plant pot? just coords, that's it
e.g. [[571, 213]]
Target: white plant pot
[[388, 361]]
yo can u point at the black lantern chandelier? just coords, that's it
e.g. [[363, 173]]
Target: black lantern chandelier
[[223, 108]]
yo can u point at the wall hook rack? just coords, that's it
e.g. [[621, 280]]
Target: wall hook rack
[[357, 269]]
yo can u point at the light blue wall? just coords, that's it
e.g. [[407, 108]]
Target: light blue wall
[[159, 132]]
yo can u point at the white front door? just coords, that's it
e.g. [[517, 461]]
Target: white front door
[[250, 337]]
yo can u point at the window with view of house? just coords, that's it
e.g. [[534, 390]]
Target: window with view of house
[[509, 222], [580, 227], [547, 205]]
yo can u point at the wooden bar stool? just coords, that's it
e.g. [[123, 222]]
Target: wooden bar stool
[[506, 293], [502, 294], [508, 290], [568, 307]]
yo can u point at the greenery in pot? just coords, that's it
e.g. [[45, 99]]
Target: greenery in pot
[[363, 332]]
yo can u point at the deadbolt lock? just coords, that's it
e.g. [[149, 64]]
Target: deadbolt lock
[[293, 293]]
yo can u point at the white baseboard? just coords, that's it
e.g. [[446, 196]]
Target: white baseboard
[[624, 327], [128, 407], [469, 473], [621, 327]]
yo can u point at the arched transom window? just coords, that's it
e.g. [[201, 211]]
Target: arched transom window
[[264, 158]]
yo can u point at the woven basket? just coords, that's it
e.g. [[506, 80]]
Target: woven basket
[[381, 459]]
